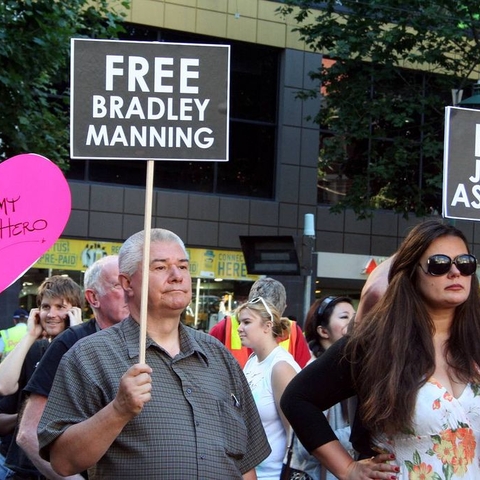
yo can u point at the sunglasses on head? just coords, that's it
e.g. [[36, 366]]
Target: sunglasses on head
[[267, 308], [440, 264]]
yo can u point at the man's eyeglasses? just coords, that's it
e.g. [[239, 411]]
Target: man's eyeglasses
[[267, 308], [438, 265]]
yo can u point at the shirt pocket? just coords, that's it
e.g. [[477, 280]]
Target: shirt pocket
[[234, 430]]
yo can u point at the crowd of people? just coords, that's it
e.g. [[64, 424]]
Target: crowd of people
[[390, 391]]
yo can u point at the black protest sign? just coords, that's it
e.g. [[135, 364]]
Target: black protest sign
[[149, 100], [461, 170]]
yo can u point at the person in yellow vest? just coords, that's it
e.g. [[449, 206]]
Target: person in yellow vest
[[9, 337], [273, 292]]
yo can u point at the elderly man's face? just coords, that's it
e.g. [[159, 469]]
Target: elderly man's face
[[170, 284], [112, 302]]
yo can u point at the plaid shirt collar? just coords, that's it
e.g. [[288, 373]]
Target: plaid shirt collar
[[188, 342]]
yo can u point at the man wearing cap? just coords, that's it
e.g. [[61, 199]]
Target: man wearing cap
[[11, 336]]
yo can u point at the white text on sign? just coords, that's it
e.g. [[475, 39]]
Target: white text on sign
[[139, 67], [461, 195]]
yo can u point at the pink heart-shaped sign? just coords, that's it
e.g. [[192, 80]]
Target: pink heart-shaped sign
[[35, 205]]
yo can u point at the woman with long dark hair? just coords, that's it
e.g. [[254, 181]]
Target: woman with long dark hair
[[413, 362], [326, 322]]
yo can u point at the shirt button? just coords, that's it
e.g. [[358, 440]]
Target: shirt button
[[197, 423], [189, 391], [202, 457]]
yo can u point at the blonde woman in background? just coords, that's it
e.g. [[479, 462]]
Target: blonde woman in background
[[268, 370]]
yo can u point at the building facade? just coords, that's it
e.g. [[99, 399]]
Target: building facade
[[271, 183]]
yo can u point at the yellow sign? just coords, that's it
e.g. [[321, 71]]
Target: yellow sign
[[77, 255], [69, 254], [225, 264]]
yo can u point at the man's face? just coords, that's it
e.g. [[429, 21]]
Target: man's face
[[169, 284], [113, 307], [53, 315]]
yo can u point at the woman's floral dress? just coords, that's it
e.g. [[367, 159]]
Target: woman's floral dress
[[445, 441]]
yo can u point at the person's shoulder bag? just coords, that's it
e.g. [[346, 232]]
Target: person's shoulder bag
[[288, 472]]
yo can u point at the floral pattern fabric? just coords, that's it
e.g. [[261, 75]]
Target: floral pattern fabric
[[445, 441]]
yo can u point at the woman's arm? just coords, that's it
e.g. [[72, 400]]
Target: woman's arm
[[374, 289], [336, 459], [320, 385], [282, 374]]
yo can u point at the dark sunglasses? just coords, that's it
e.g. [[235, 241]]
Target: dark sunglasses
[[438, 265]]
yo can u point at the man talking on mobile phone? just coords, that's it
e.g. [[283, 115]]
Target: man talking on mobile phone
[[59, 305]]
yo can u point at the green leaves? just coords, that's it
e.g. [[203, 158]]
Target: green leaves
[[34, 69], [395, 64]]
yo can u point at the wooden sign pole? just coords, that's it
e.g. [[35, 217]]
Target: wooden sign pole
[[146, 259]]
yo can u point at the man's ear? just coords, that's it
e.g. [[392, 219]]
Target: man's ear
[[92, 298], [124, 280]]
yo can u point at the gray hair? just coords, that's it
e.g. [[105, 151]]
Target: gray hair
[[270, 290], [130, 255], [91, 279]]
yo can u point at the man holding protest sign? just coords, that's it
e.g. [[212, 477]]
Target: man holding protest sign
[[187, 412]]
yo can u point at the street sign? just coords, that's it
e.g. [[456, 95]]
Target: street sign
[[149, 100], [461, 168]]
